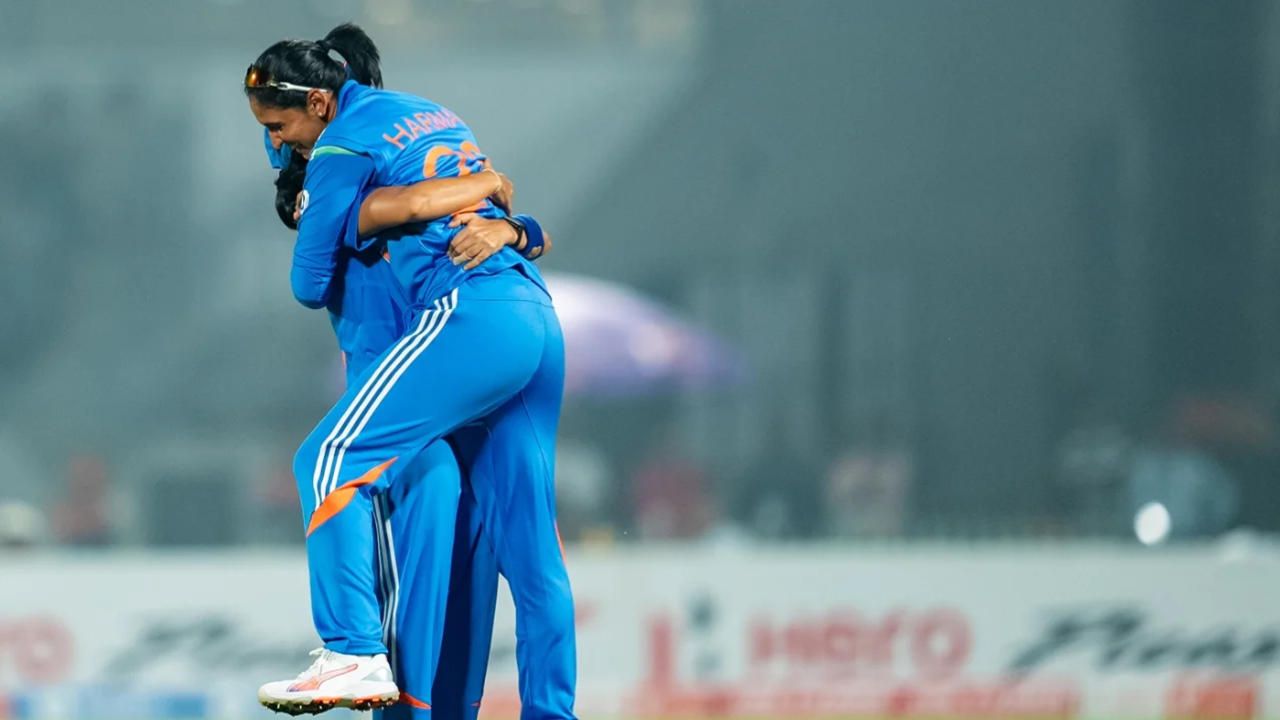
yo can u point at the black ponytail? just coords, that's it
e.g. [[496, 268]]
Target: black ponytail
[[302, 62], [363, 61]]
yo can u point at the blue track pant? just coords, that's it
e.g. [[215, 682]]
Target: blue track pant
[[490, 352], [405, 514]]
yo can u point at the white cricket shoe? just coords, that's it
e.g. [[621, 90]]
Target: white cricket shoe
[[362, 682]]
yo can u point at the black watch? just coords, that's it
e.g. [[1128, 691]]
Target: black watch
[[520, 231]]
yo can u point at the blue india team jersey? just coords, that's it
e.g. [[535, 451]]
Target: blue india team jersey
[[406, 139], [367, 309]]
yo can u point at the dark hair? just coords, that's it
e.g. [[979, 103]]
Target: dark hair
[[288, 185], [303, 62]]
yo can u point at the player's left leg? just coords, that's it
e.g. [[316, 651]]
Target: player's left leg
[[473, 592], [516, 496], [447, 686], [342, 679]]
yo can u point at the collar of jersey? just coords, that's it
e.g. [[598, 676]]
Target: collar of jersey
[[344, 93]]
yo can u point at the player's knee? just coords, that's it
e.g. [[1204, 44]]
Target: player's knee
[[557, 617], [564, 613], [550, 600]]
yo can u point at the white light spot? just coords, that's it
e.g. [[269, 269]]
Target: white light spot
[[1152, 523]]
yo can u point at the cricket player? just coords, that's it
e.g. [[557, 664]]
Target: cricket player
[[403, 520], [484, 347]]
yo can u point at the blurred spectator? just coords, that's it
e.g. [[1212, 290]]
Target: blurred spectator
[[780, 496], [80, 518], [1241, 433], [1201, 497], [868, 484], [582, 488], [21, 525], [1093, 461], [671, 494], [1225, 422]]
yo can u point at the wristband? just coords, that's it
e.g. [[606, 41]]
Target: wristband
[[533, 236]]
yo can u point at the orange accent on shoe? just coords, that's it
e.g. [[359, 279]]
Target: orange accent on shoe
[[340, 498], [373, 702], [315, 682], [412, 701]]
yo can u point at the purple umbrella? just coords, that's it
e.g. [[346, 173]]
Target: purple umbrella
[[618, 342]]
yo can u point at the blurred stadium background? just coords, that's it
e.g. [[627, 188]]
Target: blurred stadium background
[[951, 388]]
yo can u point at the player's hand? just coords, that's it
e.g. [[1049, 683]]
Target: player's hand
[[297, 209], [479, 239]]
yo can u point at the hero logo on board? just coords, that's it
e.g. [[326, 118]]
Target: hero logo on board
[[934, 643]]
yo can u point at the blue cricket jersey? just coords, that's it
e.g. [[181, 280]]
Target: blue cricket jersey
[[380, 138], [367, 307]]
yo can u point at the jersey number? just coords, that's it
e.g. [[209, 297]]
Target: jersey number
[[465, 153]]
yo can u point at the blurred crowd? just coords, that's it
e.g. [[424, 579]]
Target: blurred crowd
[[981, 193], [1208, 464]]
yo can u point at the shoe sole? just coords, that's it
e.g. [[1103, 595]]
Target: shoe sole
[[316, 706]]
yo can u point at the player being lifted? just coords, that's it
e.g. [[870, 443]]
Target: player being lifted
[[483, 346], [368, 316]]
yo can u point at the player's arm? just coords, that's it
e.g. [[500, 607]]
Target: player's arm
[[481, 237], [335, 180], [432, 199], [388, 207]]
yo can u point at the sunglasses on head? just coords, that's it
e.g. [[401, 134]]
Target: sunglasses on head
[[257, 77]]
